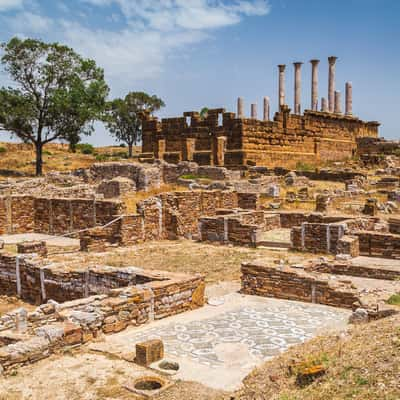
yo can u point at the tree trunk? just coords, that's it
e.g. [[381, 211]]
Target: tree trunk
[[130, 150], [39, 160]]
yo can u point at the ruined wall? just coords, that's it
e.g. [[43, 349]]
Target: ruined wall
[[377, 244], [292, 284], [317, 237], [242, 228], [22, 214], [223, 139], [117, 304]]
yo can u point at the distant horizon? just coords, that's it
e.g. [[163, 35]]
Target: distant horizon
[[203, 53]]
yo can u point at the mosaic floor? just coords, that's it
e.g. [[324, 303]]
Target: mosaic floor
[[265, 330]]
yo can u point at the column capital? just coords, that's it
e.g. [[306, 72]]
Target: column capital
[[314, 61], [282, 67], [297, 63], [332, 60]]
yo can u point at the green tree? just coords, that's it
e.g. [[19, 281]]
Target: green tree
[[204, 113], [123, 117], [58, 93]]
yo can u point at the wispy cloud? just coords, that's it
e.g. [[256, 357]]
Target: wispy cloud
[[146, 32], [6, 5]]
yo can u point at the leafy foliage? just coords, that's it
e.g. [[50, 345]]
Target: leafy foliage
[[123, 117], [58, 93]]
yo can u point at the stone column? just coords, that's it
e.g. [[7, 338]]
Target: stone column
[[297, 87], [314, 84], [338, 102], [254, 111], [331, 83], [281, 84], [324, 105], [266, 108], [240, 107], [349, 98]]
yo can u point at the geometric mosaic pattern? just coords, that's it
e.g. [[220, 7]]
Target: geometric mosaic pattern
[[265, 330]]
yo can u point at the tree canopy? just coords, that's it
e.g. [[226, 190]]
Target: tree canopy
[[57, 94], [123, 117]]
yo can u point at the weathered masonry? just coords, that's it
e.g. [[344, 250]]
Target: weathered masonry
[[232, 140]]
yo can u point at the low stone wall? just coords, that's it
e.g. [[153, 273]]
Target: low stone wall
[[317, 237], [377, 244], [128, 296], [353, 269], [241, 228], [22, 214], [294, 284]]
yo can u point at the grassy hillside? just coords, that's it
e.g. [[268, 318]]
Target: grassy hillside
[[20, 158]]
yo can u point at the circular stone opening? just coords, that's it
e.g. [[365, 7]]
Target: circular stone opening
[[148, 384], [169, 365]]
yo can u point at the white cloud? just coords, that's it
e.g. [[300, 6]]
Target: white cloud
[[6, 5], [150, 32]]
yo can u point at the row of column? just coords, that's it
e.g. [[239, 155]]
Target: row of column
[[333, 104], [253, 109]]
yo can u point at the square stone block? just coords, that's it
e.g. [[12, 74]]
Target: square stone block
[[149, 352]]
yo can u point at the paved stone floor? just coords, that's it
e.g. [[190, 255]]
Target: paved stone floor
[[58, 241], [219, 345]]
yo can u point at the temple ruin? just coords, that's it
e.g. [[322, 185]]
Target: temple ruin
[[234, 140]]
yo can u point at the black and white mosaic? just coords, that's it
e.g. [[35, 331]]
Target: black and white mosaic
[[265, 330]]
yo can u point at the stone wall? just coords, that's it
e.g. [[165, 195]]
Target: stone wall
[[169, 215], [317, 237], [293, 284], [22, 214], [222, 139], [358, 269], [53, 326], [378, 244], [241, 228]]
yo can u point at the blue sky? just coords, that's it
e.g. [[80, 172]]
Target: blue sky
[[195, 53]]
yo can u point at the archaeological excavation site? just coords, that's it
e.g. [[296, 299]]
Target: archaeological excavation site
[[232, 257]]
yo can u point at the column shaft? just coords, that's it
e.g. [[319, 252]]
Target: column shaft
[[281, 84], [314, 85], [338, 103], [266, 108], [324, 105], [331, 83], [297, 87], [240, 107], [254, 111], [349, 98]]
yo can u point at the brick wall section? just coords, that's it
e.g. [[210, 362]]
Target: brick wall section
[[51, 327], [376, 244], [317, 237], [21, 214], [293, 284], [364, 271], [284, 141], [241, 228]]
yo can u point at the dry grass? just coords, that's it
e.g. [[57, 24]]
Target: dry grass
[[132, 198], [56, 157], [364, 365], [216, 262], [8, 303]]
